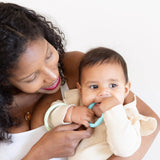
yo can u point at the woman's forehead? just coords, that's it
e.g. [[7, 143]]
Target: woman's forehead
[[32, 58]]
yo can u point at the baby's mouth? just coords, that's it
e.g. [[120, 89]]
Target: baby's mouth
[[97, 104]]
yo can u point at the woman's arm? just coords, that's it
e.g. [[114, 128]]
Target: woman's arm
[[144, 109]]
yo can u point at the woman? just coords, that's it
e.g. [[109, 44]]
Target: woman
[[33, 65]]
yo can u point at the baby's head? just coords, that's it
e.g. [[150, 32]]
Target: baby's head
[[102, 73]]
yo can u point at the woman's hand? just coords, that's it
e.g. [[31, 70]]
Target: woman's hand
[[61, 141]]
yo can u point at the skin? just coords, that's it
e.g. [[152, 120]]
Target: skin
[[64, 137]]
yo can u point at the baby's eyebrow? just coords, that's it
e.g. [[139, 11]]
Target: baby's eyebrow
[[113, 80], [91, 82]]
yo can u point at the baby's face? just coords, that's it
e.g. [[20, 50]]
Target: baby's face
[[102, 81]]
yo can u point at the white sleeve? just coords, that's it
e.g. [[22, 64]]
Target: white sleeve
[[57, 113], [147, 124], [123, 136], [57, 116]]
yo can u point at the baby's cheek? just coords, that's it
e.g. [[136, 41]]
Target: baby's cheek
[[120, 99], [87, 99]]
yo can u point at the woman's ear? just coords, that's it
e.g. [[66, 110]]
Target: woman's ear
[[79, 87], [127, 88]]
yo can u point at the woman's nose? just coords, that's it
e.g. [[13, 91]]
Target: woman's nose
[[49, 75]]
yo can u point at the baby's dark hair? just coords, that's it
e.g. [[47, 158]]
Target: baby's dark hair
[[102, 55], [19, 26]]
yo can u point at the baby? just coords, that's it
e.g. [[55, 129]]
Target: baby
[[103, 80]]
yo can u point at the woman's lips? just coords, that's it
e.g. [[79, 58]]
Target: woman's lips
[[54, 85]]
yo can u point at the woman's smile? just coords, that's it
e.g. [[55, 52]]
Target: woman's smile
[[54, 85]]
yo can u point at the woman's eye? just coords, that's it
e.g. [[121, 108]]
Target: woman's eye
[[94, 86], [32, 79], [49, 55], [113, 85]]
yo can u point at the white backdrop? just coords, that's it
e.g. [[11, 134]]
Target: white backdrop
[[131, 27]]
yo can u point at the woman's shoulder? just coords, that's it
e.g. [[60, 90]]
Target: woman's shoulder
[[71, 63], [74, 56]]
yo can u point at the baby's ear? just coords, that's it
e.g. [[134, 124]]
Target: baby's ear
[[79, 87], [127, 88]]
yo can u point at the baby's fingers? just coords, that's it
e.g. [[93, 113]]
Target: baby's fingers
[[85, 123]]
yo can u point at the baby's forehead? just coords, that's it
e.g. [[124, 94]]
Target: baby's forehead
[[103, 71], [102, 63], [102, 68]]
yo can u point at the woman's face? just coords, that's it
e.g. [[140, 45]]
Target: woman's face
[[37, 69]]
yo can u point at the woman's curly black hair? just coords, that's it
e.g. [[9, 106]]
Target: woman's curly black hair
[[18, 26]]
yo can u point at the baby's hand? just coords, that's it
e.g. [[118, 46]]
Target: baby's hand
[[108, 102], [82, 115]]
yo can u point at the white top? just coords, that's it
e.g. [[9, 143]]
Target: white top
[[22, 142]]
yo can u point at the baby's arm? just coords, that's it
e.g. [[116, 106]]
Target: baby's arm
[[123, 136], [64, 114], [80, 115]]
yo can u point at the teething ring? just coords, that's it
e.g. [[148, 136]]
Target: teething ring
[[99, 120]]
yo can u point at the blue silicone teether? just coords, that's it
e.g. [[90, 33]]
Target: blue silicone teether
[[99, 120]]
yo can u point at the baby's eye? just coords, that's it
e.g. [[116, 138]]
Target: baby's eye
[[94, 86], [113, 85]]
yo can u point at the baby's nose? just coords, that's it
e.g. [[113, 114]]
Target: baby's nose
[[104, 92]]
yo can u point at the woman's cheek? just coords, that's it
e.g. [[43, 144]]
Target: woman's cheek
[[31, 88]]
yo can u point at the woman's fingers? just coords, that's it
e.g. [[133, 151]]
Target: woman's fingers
[[68, 127], [86, 133], [74, 132]]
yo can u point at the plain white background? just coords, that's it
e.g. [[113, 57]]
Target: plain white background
[[132, 28]]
